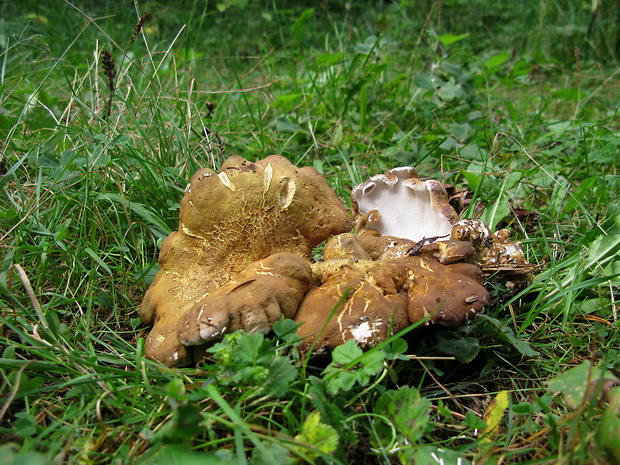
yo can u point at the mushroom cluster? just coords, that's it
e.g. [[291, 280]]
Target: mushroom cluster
[[241, 259], [380, 297]]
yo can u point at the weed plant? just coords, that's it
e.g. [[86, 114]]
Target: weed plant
[[104, 116]]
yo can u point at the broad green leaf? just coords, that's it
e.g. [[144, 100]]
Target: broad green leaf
[[185, 424], [224, 5], [520, 68], [514, 116], [10, 457], [271, 451], [497, 60], [47, 160], [519, 344], [284, 327], [286, 126], [464, 349], [181, 455], [367, 46], [426, 81], [433, 455], [372, 362], [350, 366], [67, 157], [300, 22], [329, 59], [613, 271], [97, 159], [338, 134], [121, 139], [282, 373], [176, 389], [347, 353], [450, 91], [523, 408], [406, 410], [250, 361], [580, 384], [345, 381], [609, 429], [495, 212], [448, 39], [25, 424], [396, 350], [507, 333], [498, 210], [252, 348], [323, 437], [474, 421], [287, 102], [472, 179], [606, 246], [572, 94]]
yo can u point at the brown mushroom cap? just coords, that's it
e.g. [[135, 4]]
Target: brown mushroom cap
[[229, 220], [371, 304], [265, 292], [450, 295], [345, 245], [384, 247], [378, 247], [378, 298], [400, 204]]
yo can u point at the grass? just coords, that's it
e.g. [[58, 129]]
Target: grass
[[493, 97]]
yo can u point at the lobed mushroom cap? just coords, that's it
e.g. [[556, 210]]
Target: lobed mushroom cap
[[228, 220], [400, 204], [239, 259], [370, 300], [367, 304], [265, 292]]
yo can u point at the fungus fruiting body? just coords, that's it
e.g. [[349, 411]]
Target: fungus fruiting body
[[240, 259], [369, 300], [229, 220], [263, 293], [400, 204], [493, 249]]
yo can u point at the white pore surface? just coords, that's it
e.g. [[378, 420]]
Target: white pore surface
[[406, 208]]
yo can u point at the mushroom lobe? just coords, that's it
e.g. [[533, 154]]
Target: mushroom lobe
[[370, 300], [265, 292]]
